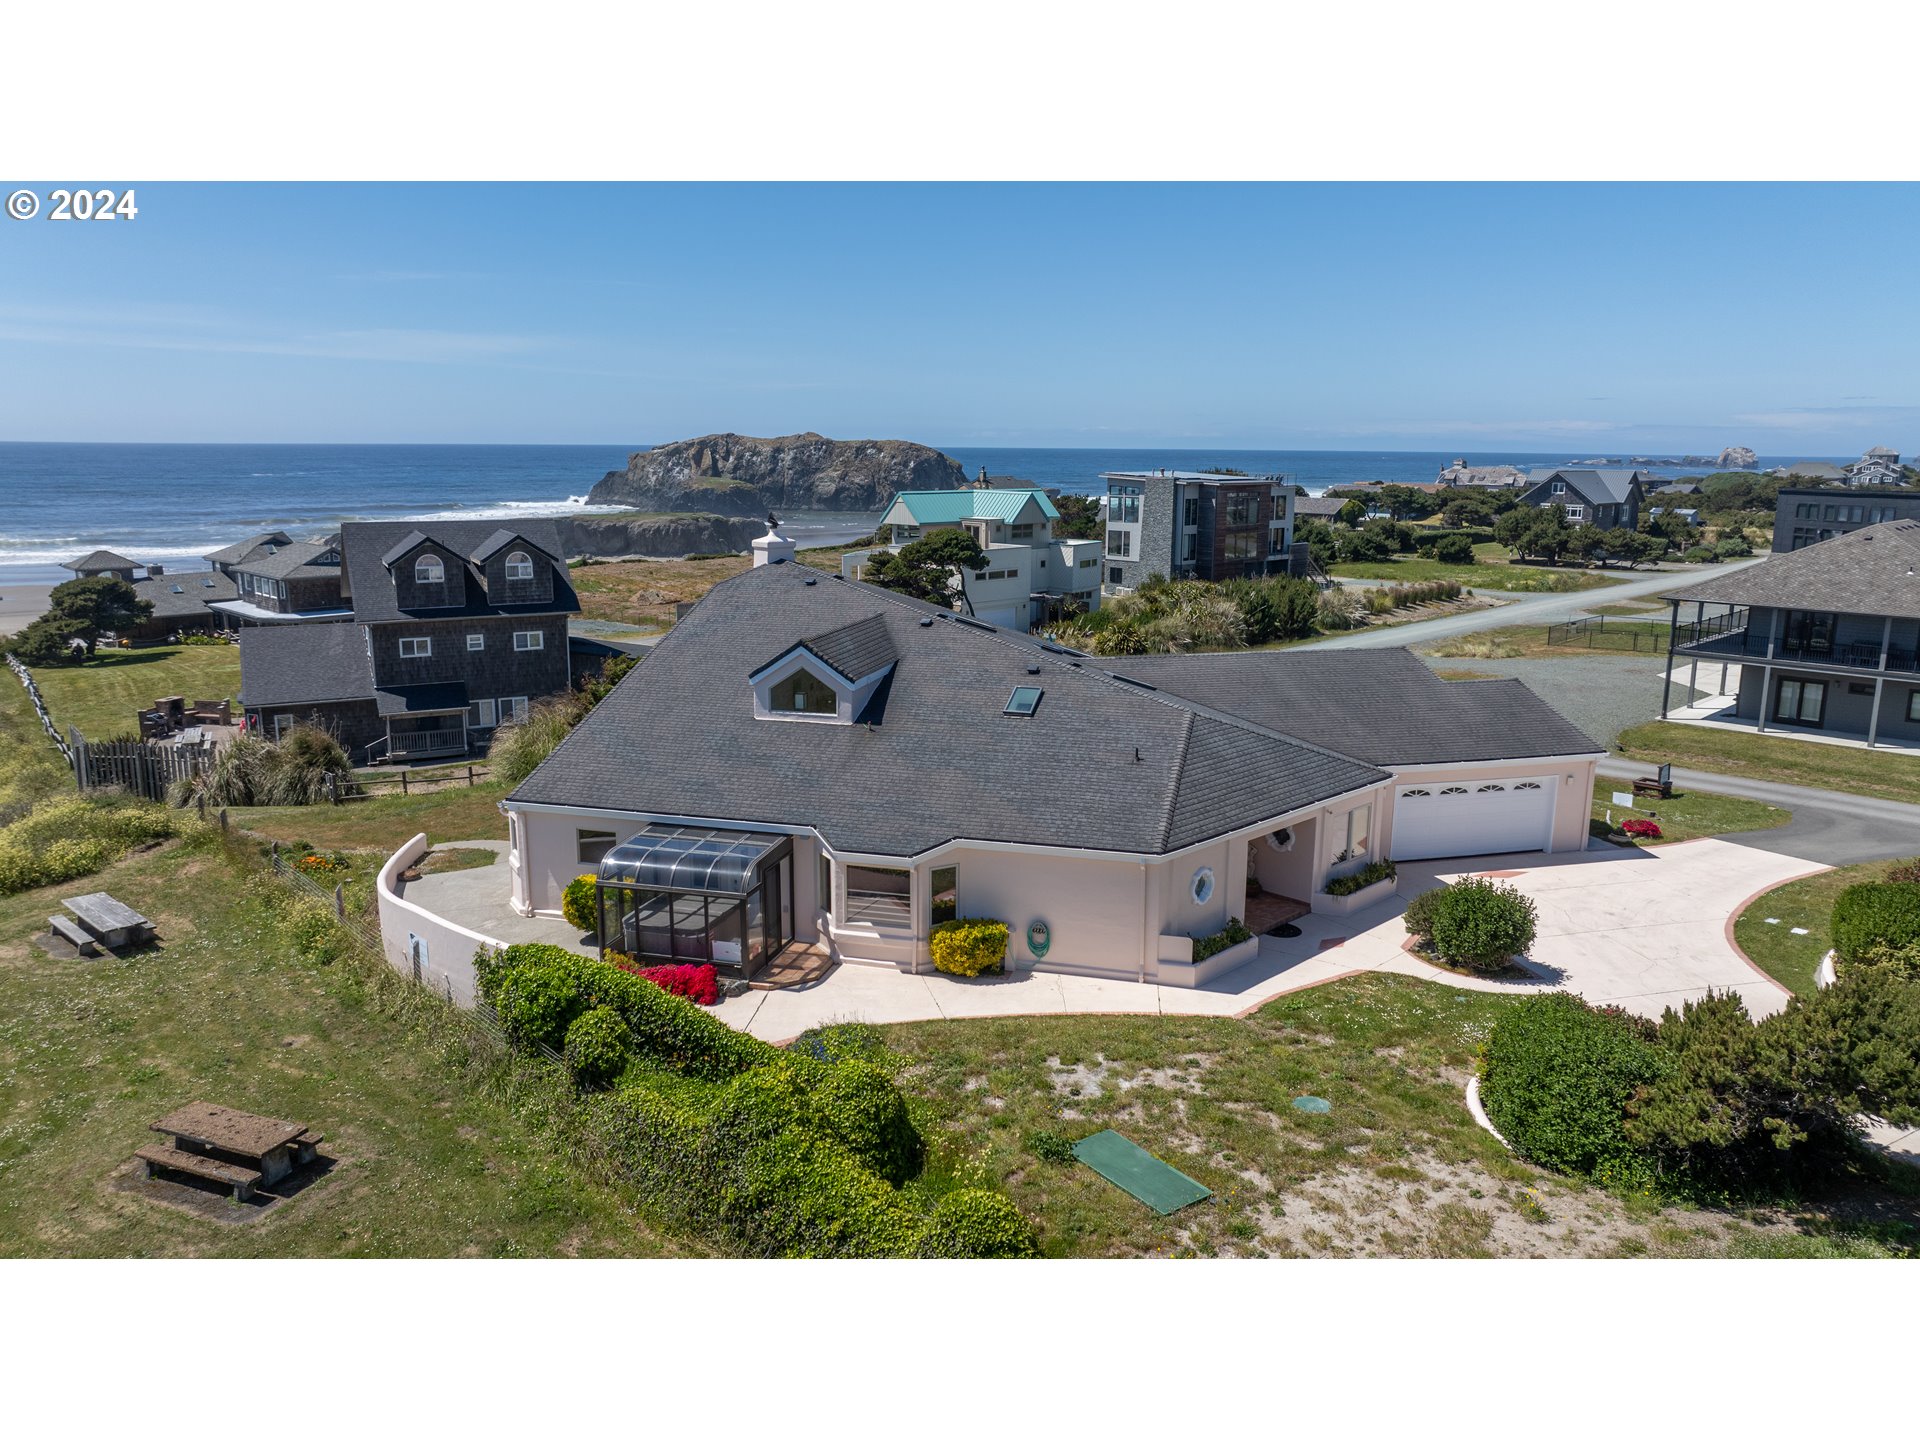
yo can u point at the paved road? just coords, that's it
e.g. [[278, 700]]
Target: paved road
[[1529, 610], [1827, 826]]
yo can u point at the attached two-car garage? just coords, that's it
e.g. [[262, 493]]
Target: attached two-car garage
[[1472, 817]]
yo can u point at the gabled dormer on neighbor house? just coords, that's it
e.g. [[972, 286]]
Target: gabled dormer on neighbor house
[[833, 678]]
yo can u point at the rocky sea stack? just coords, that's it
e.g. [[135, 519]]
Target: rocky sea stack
[[742, 475]]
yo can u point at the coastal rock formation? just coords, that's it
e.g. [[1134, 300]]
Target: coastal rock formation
[[1738, 457], [621, 537], [742, 475]]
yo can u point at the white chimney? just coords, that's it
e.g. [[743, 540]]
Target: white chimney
[[772, 548]]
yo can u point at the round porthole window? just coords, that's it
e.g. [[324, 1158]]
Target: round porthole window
[[1281, 840], [1202, 889], [1039, 939]]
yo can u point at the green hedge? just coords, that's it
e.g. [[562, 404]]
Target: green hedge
[[1874, 917], [1556, 1080], [772, 1153], [969, 946]]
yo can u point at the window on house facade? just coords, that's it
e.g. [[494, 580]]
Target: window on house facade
[[1359, 831], [879, 897], [1559, 487], [1808, 630], [591, 846], [1190, 510], [1089, 562], [519, 566], [1240, 508], [1913, 705], [1123, 504], [946, 894], [1243, 545], [804, 693], [415, 647], [823, 895], [483, 715], [1113, 575], [1801, 702], [428, 570], [513, 709], [1020, 532], [1576, 512], [476, 642], [529, 640], [1188, 545], [1120, 543]]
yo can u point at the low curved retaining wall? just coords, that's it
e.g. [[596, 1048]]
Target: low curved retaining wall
[[419, 944], [1479, 1113], [1825, 974]]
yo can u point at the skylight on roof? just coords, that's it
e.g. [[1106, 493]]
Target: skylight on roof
[[1024, 700]]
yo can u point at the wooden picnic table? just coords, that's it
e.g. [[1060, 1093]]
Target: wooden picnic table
[[273, 1146], [113, 923]]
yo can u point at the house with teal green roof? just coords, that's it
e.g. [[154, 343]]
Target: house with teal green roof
[[1030, 577]]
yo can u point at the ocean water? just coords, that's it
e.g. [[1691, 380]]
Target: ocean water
[[171, 504]]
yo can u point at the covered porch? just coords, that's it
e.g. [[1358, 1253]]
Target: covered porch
[[422, 721]]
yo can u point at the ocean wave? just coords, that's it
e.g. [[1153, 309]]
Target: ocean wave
[[520, 510]]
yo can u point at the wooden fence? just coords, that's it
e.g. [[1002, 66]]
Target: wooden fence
[[39, 705], [366, 784], [141, 767]]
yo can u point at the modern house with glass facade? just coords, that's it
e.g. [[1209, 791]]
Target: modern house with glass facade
[[807, 760], [1191, 525], [1822, 641], [1803, 517]]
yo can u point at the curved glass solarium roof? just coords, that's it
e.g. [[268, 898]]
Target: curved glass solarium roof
[[691, 857]]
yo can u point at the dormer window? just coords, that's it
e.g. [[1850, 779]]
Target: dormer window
[[428, 570], [803, 693], [519, 566]]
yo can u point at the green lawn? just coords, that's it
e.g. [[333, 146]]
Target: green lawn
[[1688, 815], [457, 812], [1529, 642], [437, 1154], [1885, 774], [1396, 1168], [1799, 904], [103, 697], [1529, 578]]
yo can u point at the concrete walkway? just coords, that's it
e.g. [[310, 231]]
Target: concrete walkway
[[1525, 609]]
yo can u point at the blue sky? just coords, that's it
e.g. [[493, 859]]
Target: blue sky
[[1593, 318]]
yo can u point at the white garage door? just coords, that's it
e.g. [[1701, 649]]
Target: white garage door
[[1470, 817]]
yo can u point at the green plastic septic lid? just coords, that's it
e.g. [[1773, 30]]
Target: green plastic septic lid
[[1312, 1104]]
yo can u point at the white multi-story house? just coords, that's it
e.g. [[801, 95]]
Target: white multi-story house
[[1029, 574]]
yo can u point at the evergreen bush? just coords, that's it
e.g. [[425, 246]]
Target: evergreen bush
[[579, 905], [598, 1046], [1874, 919], [1480, 924], [969, 946], [975, 1225]]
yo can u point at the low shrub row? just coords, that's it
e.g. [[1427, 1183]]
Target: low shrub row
[[969, 946], [64, 838], [766, 1151], [1705, 1102], [1421, 592], [1370, 874], [1206, 947], [1474, 923]]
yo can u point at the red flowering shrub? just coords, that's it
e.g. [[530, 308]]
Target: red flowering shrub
[[1642, 829], [697, 983]]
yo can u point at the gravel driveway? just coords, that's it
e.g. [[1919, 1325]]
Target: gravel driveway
[[1602, 694]]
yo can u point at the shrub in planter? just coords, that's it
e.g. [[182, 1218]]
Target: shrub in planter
[[1481, 924], [976, 1225], [1371, 874], [1874, 917], [579, 906], [1556, 1079], [598, 1046], [969, 946], [1208, 946]]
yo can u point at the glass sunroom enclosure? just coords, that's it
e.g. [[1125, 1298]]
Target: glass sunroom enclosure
[[688, 894]]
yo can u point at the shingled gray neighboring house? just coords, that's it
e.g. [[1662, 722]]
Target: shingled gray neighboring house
[[806, 759], [455, 628], [183, 602], [1823, 640], [1608, 498]]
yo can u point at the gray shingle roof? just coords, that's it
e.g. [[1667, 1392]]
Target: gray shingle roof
[[1323, 506], [1597, 487], [198, 588], [418, 699], [101, 560], [290, 562], [304, 664], [1382, 706], [368, 547], [1870, 571], [855, 650], [241, 549], [1101, 764]]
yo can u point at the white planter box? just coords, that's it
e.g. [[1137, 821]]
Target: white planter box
[[1187, 974], [1325, 904]]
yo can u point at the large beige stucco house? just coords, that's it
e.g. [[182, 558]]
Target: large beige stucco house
[[809, 760]]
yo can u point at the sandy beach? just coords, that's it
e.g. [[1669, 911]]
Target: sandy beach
[[20, 605]]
